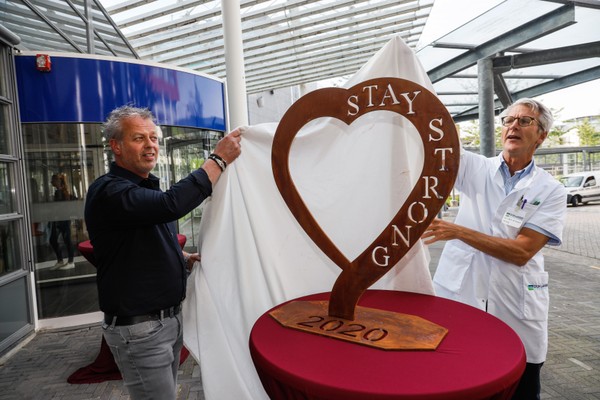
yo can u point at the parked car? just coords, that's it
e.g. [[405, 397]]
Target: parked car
[[582, 187]]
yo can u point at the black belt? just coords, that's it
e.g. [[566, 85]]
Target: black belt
[[136, 319]]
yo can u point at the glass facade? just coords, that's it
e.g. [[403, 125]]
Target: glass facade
[[10, 247], [186, 150], [61, 112], [4, 117], [16, 312], [72, 154], [75, 153]]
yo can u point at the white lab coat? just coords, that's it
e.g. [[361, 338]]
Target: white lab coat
[[516, 295]]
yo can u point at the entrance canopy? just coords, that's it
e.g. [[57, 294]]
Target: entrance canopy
[[536, 46]]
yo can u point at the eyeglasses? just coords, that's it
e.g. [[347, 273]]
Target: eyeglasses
[[522, 121]]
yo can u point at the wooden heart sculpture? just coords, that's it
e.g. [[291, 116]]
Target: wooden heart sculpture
[[441, 151]]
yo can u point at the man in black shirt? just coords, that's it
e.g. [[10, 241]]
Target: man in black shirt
[[141, 269]]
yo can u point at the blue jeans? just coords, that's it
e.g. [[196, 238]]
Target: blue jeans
[[148, 356]]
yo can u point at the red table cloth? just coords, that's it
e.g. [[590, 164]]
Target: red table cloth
[[480, 358]]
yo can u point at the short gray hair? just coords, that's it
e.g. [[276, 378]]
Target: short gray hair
[[112, 128], [545, 118]]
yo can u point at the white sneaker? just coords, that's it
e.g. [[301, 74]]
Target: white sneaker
[[58, 265], [67, 266]]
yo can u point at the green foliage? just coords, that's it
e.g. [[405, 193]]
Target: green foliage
[[588, 135], [471, 136], [498, 136], [554, 138], [196, 163]]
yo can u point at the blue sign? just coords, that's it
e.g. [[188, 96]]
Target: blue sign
[[86, 90]]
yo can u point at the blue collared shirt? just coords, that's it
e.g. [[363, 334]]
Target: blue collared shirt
[[511, 181]]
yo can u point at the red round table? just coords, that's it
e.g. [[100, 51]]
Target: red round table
[[480, 358], [104, 367]]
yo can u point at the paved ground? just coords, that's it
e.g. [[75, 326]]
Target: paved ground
[[38, 370]]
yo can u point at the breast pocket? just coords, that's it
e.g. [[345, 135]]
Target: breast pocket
[[536, 299], [451, 273]]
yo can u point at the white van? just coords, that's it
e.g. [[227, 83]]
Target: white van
[[582, 187]]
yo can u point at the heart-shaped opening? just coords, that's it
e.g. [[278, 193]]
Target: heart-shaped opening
[[354, 178]]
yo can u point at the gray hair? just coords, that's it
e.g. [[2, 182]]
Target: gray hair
[[112, 128], [545, 118]]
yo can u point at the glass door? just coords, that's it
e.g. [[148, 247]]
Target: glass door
[[62, 160], [16, 311], [186, 150]]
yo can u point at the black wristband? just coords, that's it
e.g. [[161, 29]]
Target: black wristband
[[217, 159]]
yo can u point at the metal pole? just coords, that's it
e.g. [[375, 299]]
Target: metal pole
[[89, 24], [485, 74], [234, 64]]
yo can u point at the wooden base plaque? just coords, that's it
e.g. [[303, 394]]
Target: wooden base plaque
[[382, 329]]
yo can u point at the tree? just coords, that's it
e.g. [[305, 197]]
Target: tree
[[588, 135], [471, 136], [554, 137]]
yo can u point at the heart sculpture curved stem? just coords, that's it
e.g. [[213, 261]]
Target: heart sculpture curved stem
[[346, 292]]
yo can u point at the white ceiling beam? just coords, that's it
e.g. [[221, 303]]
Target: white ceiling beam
[[284, 46], [258, 40], [211, 30]]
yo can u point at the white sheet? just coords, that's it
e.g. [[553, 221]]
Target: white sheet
[[254, 253]]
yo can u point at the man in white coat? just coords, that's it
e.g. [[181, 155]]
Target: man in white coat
[[509, 209]]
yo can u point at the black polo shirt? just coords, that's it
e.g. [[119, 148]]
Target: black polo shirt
[[131, 224]]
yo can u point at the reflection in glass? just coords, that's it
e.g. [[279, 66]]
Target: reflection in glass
[[187, 149], [76, 154], [4, 136], [61, 229], [61, 161], [5, 99], [9, 247], [14, 307], [6, 187]]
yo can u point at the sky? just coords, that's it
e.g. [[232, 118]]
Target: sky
[[576, 101], [446, 15]]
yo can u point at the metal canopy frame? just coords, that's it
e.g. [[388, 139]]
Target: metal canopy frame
[[536, 46], [65, 25]]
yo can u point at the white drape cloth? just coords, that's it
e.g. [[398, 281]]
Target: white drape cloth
[[256, 256]]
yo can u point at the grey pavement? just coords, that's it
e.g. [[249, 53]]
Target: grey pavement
[[39, 367]]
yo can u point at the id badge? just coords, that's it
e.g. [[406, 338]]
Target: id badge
[[514, 217]]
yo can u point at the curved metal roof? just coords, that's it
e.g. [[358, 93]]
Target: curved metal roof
[[536, 46]]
